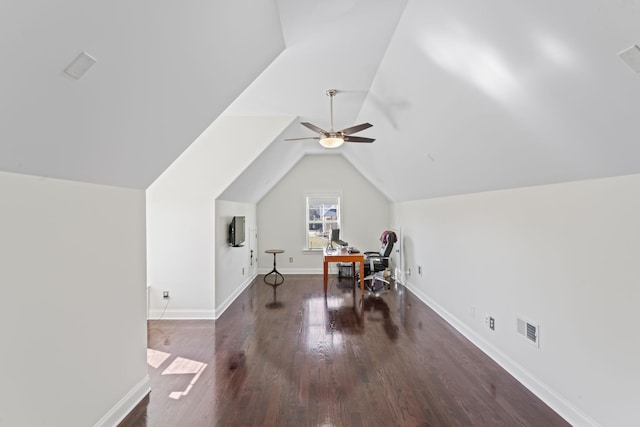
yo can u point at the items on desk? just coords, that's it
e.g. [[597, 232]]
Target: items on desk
[[349, 249], [335, 237]]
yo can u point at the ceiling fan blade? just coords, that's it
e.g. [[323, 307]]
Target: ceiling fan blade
[[354, 129], [358, 139], [313, 127], [330, 138]]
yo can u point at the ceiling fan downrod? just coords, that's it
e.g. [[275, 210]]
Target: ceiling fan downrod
[[331, 93]]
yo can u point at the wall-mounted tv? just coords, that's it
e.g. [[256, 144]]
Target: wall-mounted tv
[[236, 231]]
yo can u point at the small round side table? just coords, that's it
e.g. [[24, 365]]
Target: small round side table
[[274, 278]]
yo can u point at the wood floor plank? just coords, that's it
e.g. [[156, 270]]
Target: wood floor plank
[[297, 359]]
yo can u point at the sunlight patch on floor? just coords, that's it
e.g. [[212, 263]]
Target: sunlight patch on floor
[[155, 358], [181, 366]]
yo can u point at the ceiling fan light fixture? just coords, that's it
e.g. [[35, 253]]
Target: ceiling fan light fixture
[[331, 141], [331, 138]]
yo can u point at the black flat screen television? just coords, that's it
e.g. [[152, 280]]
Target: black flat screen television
[[236, 231]]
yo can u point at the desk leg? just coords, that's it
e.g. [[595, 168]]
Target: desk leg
[[362, 277], [326, 276]]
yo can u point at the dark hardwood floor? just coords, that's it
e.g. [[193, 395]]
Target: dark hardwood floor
[[300, 359]]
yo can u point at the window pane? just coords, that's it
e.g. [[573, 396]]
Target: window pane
[[317, 241], [314, 212], [320, 212], [323, 215]]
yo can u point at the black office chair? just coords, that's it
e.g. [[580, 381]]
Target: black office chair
[[375, 263]]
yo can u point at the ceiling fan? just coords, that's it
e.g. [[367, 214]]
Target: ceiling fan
[[331, 138]]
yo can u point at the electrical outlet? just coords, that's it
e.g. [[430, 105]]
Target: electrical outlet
[[243, 271], [420, 270], [290, 259], [492, 323], [165, 295], [408, 272]]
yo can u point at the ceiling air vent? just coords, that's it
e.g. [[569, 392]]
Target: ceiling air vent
[[80, 65], [529, 331], [631, 57]]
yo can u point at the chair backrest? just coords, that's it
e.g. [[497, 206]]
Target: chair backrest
[[379, 263], [387, 244]]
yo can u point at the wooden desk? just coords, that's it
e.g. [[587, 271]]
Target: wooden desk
[[341, 255]]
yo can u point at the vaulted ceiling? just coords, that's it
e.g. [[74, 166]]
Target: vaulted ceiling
[[464, 96]]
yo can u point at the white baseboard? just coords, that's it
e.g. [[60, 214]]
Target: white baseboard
[[312, 270], [226, 303], [181, 314], [209, 314], [556, 402], [126, 404]]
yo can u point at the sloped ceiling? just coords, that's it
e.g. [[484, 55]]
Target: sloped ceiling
[[471, 97], [333, 44], [476, 96], [164, 72], [463, 96]]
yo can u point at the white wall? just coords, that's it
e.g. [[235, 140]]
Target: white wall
[[564, 256], [234, 271], [73, 320], [281, 213], [181, 213]]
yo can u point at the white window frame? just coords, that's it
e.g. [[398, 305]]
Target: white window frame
[[309, 198]]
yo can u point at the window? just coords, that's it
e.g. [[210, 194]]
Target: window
[[322, 215]]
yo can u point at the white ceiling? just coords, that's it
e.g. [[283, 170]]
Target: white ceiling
[[164, 71], [464, 96]]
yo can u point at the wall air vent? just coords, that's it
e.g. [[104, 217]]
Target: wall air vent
[[529, 331]]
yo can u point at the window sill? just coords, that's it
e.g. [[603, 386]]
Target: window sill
[[307, 251]]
